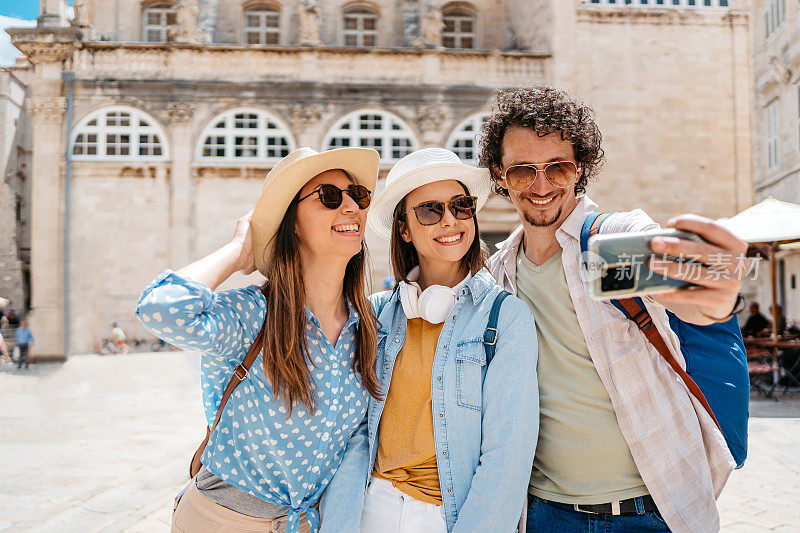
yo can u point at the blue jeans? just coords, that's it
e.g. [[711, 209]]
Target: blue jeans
[[551, 517]]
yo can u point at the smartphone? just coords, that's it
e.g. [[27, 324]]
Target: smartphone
[[617, 264]]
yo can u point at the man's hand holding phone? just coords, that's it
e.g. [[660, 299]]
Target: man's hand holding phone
[[694, 267], [717, 280]]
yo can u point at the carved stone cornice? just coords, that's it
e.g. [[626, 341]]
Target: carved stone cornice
[[304, 115], [180, 112], [46, 45], [50, 109]]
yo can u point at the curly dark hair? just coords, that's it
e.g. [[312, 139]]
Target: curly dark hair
[[545, 110]]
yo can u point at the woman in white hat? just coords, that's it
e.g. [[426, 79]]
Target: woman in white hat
[[277, 431], [451, 447]]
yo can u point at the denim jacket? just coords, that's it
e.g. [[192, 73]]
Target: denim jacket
[[485, 419]]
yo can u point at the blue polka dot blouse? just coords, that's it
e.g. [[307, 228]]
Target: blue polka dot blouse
[[285, 461]]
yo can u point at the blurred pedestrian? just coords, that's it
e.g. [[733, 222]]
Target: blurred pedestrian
[[4, 357], [24, 339], [118, 337], [13, 319], [756, 323], [779, 318]]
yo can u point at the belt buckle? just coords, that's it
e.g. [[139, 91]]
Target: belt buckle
[[577, 507]]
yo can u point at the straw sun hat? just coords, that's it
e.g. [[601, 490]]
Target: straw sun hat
[[420, 168], [289, 176]]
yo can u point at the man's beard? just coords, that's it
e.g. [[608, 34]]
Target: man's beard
[[541, 219]]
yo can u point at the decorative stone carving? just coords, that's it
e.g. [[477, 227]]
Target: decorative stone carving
[[308, 13], [430, 117], [50, 109], [304, 115], [180, 112], [187, 30], [432, 26], [412, 34], [81, 8], [46, 45]]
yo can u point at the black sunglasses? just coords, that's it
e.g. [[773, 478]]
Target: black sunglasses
[[432, 212], [331, 195]]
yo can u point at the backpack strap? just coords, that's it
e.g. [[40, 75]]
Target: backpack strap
[[239, 374], [635, 310], [490, 334]]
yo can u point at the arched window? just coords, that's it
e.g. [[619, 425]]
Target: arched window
[[464, 139], [262, 24], [373, 128], [157, 20], [118, 133], [360, 27], [459, 28], [241, 135]]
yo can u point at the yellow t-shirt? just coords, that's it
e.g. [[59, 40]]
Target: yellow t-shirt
[[406, 449], [581, 455]]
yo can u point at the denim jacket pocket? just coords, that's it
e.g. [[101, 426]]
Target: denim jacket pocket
[[470, 363]]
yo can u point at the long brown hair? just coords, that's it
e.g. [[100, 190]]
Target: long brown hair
[[284, 348], [404, 255]]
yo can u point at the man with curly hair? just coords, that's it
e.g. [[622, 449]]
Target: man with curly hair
[[622, 443]]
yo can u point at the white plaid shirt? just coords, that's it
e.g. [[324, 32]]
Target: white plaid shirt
[[678, 449]]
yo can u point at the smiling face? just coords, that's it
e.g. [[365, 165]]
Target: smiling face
[[542, 204], [447, 241], [330, 233]]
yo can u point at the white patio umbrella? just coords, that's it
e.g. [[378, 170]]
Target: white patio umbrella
[[771, 222]]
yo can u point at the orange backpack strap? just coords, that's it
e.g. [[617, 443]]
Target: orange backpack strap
[[645, 323], [639, 314], [239, 373]]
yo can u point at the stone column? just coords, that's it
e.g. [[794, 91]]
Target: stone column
[[181, 201], [47, 49], [743, 105], [52, 14], [433, 120], [305, 121]]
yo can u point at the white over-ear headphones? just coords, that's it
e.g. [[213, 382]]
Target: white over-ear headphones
[[433, 304]]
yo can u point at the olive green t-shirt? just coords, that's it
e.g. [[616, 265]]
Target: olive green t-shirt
[[581, 455]]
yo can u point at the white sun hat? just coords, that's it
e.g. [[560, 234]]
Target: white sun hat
[[289, 176], [420, 168]]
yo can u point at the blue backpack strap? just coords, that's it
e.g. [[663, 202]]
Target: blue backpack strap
[[490, 335]]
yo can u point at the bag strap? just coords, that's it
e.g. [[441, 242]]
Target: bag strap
[[490, 334], [635, 310], [239, 374]]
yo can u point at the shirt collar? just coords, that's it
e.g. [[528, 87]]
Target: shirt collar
[[573, 224], [351, 319], [479, 285]]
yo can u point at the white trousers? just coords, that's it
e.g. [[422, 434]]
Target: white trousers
[[387, 510]]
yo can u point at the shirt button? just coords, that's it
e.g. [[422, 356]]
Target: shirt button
[[439, 378], [454, 317], [444, 452], [449, 491], [396, 341], [445, 346], [441, 415]]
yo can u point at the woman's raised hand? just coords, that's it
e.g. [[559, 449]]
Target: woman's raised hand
[[243, 237]]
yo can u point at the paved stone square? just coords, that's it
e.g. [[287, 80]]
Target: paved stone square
[[102, 443]]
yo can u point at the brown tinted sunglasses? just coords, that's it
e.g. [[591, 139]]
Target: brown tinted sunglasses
[[331, 195], [561, 174], [432, 212]]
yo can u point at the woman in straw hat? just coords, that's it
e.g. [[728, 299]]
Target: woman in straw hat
[[277, 431], [451, 446]]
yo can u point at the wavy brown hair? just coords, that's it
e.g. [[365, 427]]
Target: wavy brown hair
[[404, 255], [285, 349], [546, 111]]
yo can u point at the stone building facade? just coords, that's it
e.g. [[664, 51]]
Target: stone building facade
[[180, 108], [776, 140], [15, 159]]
